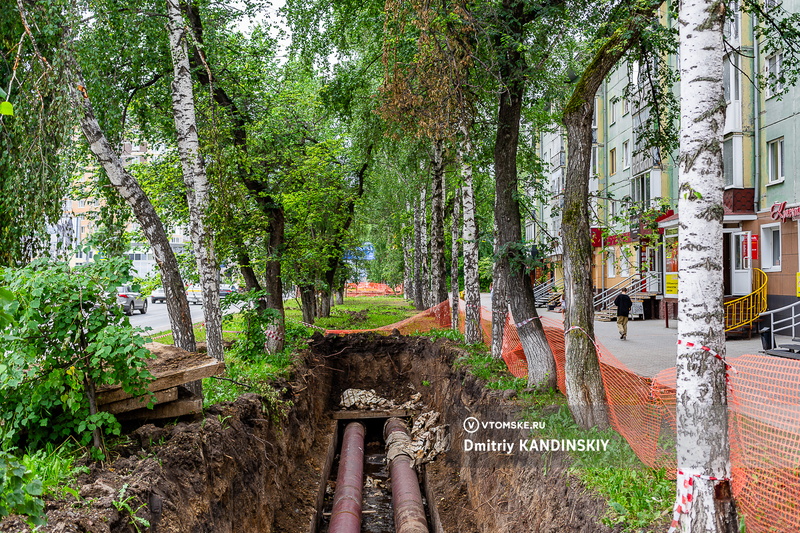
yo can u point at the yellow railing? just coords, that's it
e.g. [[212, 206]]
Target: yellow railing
[[745, 310]]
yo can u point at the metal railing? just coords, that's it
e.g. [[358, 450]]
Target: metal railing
[[544, 289], [634, 284], [747, 309]]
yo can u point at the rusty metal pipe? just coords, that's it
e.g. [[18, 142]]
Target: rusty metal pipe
[[409, 513], [346, 513]]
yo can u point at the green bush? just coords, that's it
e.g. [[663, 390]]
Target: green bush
[[67, 336]]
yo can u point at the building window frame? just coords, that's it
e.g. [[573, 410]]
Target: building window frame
[[770, 261], [612, 161], [611, 264], [775, 161], [773, 67], [626, 155], [613, 119]]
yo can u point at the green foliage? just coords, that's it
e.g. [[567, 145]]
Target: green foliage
[[70, 334], [123, 504], [20, 491], [359, 313], [55, 467], [252, 320]]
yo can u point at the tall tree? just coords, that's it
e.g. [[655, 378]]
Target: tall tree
[[513, 18], [701, 389], [194, 175], [585, 390]]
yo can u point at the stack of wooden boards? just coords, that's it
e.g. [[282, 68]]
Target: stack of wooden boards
[[172, 368]]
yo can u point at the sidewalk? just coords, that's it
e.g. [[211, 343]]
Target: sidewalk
[[650, 347]]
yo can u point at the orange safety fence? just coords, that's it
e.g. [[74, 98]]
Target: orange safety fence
[[763, 407], [369, 288]]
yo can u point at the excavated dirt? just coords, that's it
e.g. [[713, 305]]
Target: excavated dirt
[[246, 467]]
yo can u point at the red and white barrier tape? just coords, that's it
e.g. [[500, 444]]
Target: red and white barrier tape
[[707, 349], [526, 321], [686, 496], [306, 324], [578, 328]]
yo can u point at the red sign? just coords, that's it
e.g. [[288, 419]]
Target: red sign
[[745, 248], [754, 247], [779, 211]]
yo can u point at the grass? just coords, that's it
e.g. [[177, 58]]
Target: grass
[[55, 467], [640, 498], [358, 313]]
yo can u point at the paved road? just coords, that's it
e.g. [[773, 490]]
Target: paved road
[[650, 347], [158, 319]]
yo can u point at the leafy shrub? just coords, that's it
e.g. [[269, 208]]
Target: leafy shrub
[[67, 337], [20, 491], [253, 321]]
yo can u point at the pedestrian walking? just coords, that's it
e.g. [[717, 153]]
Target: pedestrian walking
[[624, 304]]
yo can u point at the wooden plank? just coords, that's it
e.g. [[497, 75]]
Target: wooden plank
[[140, 402], [430, 498], [333, 443], [209, 368], [187, 406], [359, 415]]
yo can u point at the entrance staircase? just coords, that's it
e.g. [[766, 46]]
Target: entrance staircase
[[742, 314], [638, 289], [548, 293]]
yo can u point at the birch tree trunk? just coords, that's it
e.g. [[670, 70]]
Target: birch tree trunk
[[472, 291], [426, 254], [419, 254], [438, 267], [194, 175], [499, 303], [408, 265], [180, 317], [701, 392], [455, 232]]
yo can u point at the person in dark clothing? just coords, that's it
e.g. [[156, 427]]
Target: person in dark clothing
[[624, 304]]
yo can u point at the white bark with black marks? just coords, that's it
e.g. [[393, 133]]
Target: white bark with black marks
[[194, 176], [180, 317], [701, 392], [419, 253], [438, 271], [455, 232], [499, 305], [473, 334]]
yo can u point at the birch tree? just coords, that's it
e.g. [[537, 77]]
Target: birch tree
[[704, 467], [454, 235], [472, 326], [438, 269], [194, 175]]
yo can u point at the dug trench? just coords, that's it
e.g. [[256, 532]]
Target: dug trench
[[255, 465]]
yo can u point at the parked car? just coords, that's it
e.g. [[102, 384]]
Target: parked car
[[131, 300], [195, 294], [158, 295], [225, 290]]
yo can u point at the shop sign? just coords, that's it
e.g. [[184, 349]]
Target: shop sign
[[779, 211], [797, 282], [671, 284], [754, 247]]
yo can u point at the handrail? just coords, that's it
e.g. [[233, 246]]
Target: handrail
[[747, 309], [542, 289], [635, 283], [793, 320]]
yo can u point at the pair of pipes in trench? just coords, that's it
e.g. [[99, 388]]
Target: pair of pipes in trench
[[409, 513]]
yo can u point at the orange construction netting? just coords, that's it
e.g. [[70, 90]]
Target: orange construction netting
[[368, 288], [763, 406]]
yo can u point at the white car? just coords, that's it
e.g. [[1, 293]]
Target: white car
[[195, 294], [158, 296]]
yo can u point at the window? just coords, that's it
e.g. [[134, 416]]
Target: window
[[731, 28], [727, 161], [624, 263], [640, 190], [626, 155], [593, 171], [771, 4], [774, 68], [613, 117], [775, 160], [612, 161], [626, 107], [730, 78], [611, 265], [771, 247]]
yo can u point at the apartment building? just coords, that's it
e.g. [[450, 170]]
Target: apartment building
[[76, 226], [762, 185]]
